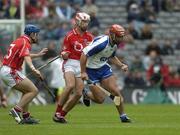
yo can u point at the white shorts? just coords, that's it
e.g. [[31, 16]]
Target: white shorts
[[72, 65], [10, 76]]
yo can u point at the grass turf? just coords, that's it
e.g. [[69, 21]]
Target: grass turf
[[98, 120]]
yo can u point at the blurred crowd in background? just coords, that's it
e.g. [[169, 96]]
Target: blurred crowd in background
[[143, 51]]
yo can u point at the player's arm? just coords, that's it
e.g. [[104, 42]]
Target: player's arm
[[66, 49], [39, 54], [28, 60], [114, 60], [83, 61]]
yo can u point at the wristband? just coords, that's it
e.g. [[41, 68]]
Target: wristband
[[32, 67]]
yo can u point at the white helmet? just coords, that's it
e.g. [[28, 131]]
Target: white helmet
[[81, 16]]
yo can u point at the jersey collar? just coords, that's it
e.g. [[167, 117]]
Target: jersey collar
[[27, 38], [75, 31]]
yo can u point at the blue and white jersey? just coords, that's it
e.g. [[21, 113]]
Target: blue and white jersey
[[99, 51]]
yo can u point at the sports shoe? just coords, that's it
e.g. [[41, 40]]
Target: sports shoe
[[59, 119], [16, 115], [125, 119], [29, 120], [86, 100]]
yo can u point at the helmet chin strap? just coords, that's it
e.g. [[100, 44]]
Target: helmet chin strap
[[113, 38]]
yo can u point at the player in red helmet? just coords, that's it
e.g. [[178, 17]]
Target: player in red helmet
[[95, 67], [74, 42], [11, 73], [116, 34]]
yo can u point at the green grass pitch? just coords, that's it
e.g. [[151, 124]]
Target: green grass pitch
[[98, 120]]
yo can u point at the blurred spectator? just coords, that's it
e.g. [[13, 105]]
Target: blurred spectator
[[167, 48], [94, 22], [90, 7], [51, 51], [147, 60], [13, 10], [62, 30], [159, 67], [64, 10], [51, 17], [134, 79], [146, 32], [167, 5], [176, 5], [133, 13], [147, 14], [35, 9], [156, 5], [50, 31], [136, 64], [131, 30], [76, 7], [129, 3], [153, 46], [174, 79]]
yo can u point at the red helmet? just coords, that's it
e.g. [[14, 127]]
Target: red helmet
[[81, 16], [118, 30]]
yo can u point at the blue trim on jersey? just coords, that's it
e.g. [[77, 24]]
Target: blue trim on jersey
[[97, 75], [97, 38], [97, 48]]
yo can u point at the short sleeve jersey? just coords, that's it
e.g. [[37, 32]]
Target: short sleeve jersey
[[74, 43], [18, 49]]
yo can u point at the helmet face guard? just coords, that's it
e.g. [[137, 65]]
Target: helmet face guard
[[118, 30], [31, 29], [82, 20], [117, 33]]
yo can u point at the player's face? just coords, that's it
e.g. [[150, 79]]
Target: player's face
[[84, 25], [34, 37], [119, 39]]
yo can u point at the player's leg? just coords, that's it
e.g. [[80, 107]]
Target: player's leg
[[95, 94], [29, 91], [110, 84], [3, 98], [70, 84], [74, 98]]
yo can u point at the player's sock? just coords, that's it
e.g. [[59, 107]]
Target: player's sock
[[86, 100], [63, 113], [15, 113], [17, 109], [26, 115], [59, 108]]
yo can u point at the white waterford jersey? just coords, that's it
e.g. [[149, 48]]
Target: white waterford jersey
[[99, 51]]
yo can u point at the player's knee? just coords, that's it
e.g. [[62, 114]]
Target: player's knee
[[100, 99], [35, 91], [69, 87], [116, 93], [78, 94]]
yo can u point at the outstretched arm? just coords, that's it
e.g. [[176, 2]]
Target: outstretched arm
[[39, 54], [28, 60], [117, 62]]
